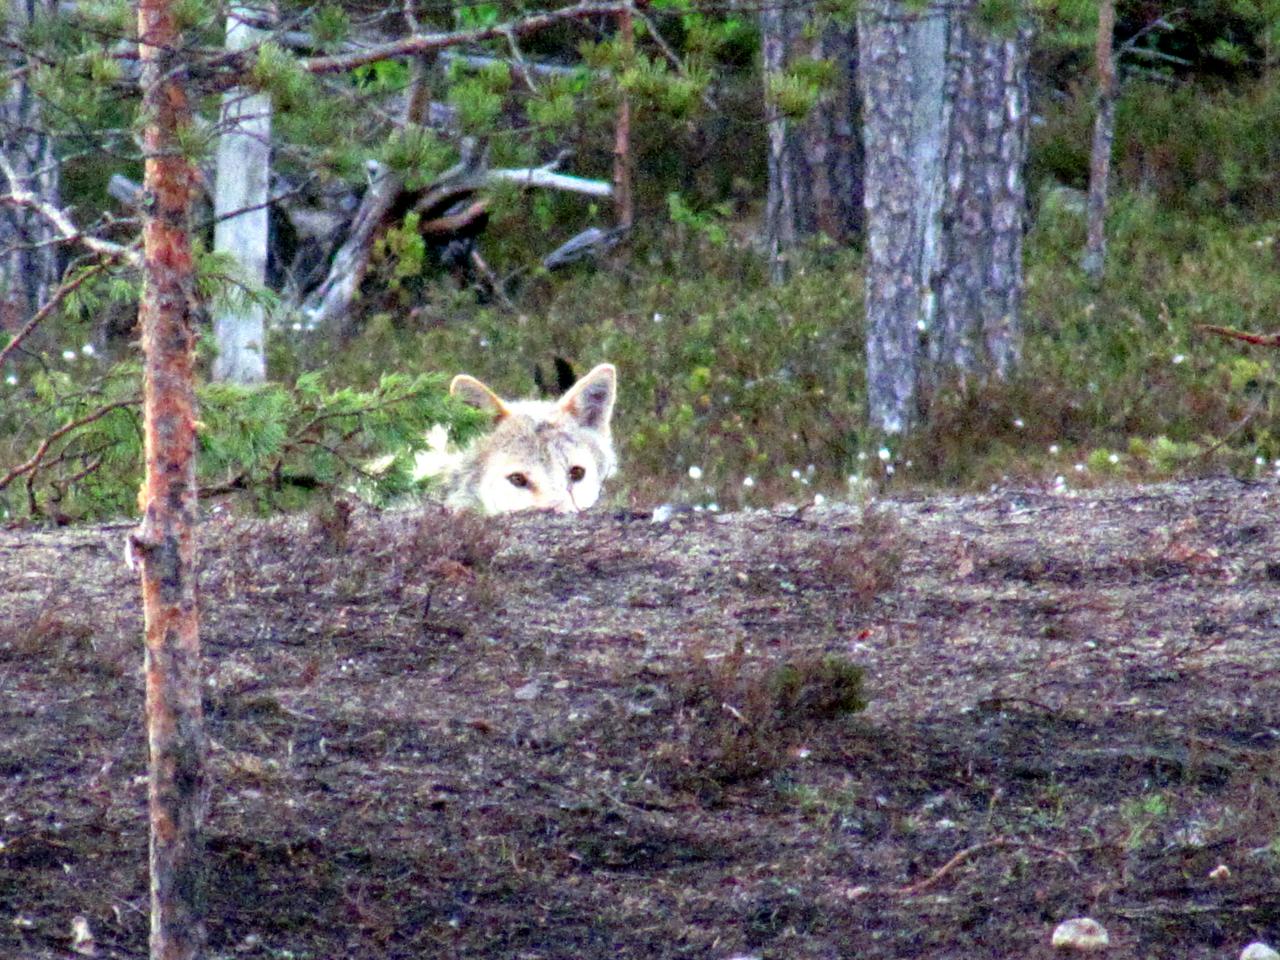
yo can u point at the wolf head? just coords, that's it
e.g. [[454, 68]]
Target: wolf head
[[540, 455]]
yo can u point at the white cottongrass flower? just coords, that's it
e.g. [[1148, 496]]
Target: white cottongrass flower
[[695, 473], [795, 474], [1113, 458], [819, 499], [1054, 449], [1080, 468], [748, 482], [1017, 422], [884, 454], [68, 355], [88, 350], [1178, 358], [11, 380]]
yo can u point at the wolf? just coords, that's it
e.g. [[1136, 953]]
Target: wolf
[[540, 455]]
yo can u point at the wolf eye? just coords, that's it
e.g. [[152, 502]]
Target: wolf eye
[[518, 480], [576, 474]]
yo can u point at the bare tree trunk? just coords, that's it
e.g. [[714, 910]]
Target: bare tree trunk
[[240, 208], [166, 541], [1104, 130], [945, 102], [815, 164], [29, 264]]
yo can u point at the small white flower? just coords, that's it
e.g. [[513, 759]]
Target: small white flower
[[1260, 461], [713, 507], [484, 342], [695, 473], [795, 474], [884, 454], [748, 482], [68, 355], [1178, 358], [819, 499], [1113, 458], [1059, 482], [88, 350], [862, 455], [657, 318], [921, 326], [1054, 449], [889, 469], [296, 328], [1018, 423], [1080, 468], [810, 469], [853, 480], [11, 380]]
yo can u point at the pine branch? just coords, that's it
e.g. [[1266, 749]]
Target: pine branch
[[419, 44], [34, 461], [65, 290]]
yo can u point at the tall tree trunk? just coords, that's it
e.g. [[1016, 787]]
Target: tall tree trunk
[[1104, 131], [29, 263], [166, 540], [815, 164], [240, 208], [945, 103], [978, 330], [624, 210]]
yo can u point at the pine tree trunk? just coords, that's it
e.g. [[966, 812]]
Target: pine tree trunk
[[29, 263], [906, 113], [815, 165], [978, 329], [945, 105], [240, 208], [166, 540], [1104, 131]]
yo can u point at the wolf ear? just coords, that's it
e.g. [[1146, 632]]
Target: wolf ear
[[472, 391], [590, 400]]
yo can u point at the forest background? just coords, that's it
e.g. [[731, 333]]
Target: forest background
[[611, 184]]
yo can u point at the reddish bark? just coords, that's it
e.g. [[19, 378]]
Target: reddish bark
[[165, 543]]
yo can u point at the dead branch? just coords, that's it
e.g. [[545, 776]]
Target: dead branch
[[1259, 339], [967, 853], [19, 196]]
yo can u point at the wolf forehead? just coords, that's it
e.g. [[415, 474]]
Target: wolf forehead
[[552, 442]]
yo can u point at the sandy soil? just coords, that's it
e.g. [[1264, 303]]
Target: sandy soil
[[607, 737]]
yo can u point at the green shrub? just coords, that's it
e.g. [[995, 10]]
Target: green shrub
[[274, 446]]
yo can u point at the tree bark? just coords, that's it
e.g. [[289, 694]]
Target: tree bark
[[1104, 131], [240, 208], [624, 212], [29, 262], [945, 103], [165, 543], [815, 164]]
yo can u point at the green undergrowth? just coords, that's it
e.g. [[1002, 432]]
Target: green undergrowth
[[72, 445], [734, 393]]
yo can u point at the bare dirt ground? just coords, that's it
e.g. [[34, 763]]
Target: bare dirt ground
[[608, 737]]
